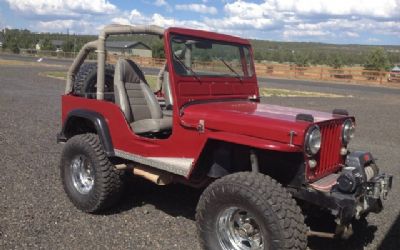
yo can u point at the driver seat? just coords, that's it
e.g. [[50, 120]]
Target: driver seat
[[137, 101]]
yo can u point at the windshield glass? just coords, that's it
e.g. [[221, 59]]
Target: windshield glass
[[202, 57]]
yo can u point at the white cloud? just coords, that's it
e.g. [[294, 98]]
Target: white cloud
[[158, 19], [342, 28], [62, 7], [252, 20], [74, 26], [164, 4], [351, 20], [310, 18], [247, 10], [121, 20], [305, 33], [200, 8], [351, 34], [135, 14], [235, 22], [135, 17], [244, 16], [160, 3], [381, 8], [373, 40]]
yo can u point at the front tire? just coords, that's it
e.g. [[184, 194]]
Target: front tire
[[249, 211], [90, 180]]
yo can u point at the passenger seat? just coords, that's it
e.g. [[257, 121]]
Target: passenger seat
[[137, 101]]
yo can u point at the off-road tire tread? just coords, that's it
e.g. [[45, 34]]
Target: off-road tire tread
[[82, 76], [269, 196], [109, 181]]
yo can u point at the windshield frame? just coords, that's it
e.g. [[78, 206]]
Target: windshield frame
[[246, 62]]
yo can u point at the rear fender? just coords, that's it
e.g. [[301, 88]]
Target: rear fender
[[98, 122]]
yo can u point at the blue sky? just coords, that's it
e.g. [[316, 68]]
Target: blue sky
[[328, 21]]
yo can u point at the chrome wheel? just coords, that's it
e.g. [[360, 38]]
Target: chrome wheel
[[237, 229], [82, 174]]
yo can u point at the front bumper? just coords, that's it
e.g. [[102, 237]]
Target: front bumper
[[353, 193], [346, 207]]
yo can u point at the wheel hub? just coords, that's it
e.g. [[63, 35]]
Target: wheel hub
[[246, 230], [82, 174], [237, 229]]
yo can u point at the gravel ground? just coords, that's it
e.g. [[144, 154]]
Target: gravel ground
[[35, 212]]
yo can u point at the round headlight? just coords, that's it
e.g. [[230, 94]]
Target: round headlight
[[347, 131], [313, 140]]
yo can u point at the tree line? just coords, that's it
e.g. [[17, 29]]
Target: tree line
[[299, 53]]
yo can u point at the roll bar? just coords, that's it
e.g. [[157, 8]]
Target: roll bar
[[99, 47]]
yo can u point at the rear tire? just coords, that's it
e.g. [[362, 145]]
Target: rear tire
[[86, 81], [91, 182], [249, 211]]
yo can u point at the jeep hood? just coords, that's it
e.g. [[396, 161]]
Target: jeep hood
[[264, 121]]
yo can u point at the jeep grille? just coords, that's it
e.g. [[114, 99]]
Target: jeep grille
[[328, 159]]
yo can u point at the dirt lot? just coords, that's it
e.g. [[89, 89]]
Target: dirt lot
[[35, 213]]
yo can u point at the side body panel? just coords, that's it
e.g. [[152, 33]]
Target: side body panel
[[178, 153], [125, 141]]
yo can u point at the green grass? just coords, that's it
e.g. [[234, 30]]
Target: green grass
[[152, 81], [56, 74]]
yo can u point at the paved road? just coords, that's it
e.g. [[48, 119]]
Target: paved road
[[35, 213]]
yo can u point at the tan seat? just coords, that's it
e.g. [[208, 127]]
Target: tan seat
[[137, 101]]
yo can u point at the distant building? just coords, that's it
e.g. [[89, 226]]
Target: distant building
[[128, 48]]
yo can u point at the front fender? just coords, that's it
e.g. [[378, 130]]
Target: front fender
[[254, 142]]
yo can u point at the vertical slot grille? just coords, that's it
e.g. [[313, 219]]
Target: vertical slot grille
[[329, 158]]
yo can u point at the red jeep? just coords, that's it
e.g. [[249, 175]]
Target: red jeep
[[205, 127]]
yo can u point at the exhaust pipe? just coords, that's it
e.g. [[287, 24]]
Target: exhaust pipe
[[311, 233], [341, 231], [156, 176]]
